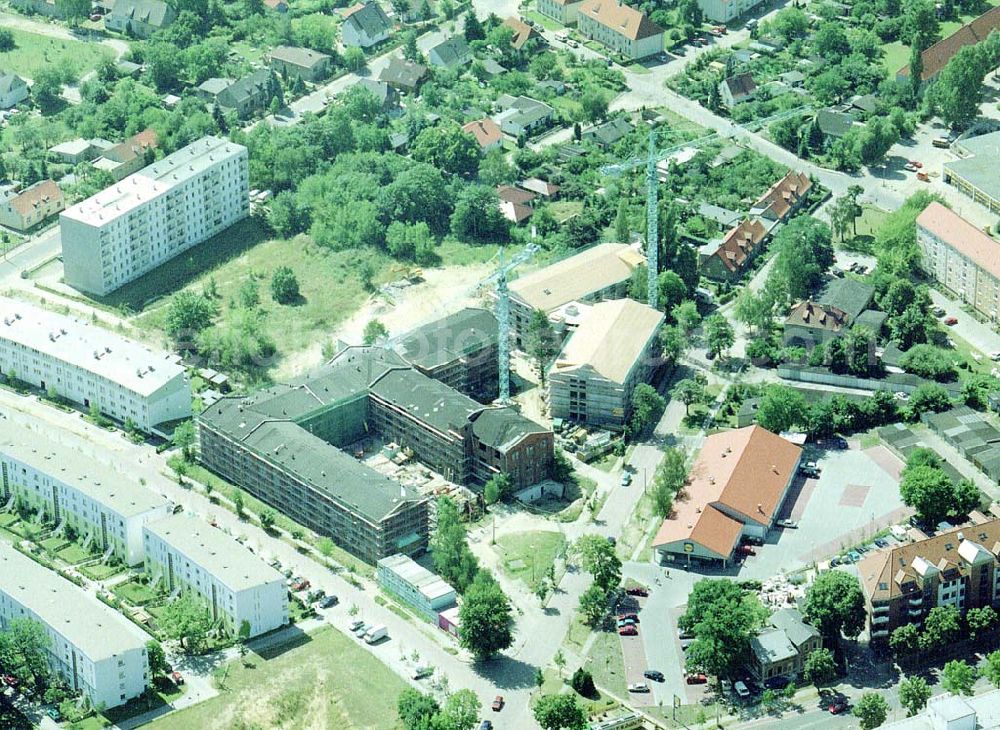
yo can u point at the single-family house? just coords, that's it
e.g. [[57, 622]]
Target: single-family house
[[515, 203], [522, 115], [209, 89], [128, 157], [365, 25], [403, 75], [13, 90], [387, 97], [522, 32], [564, 11], [781, 649], [74, 151], [450, 53], [302, 63], [140, 18], [833, 124], [793, 78], [487, 133], [31, 206], [608, 133], [250, 94], [728, 260], [620, 28], [128, 69], [737, 89], [541, 188]]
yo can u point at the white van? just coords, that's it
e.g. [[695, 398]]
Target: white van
[[376, 633]]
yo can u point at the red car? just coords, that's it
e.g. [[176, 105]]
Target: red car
[[637, 591], [697, 678], [301, 585], [9, 679], [916, 163], [746, 550], [838, 706], [626, 616], [951, 321], [178, 679], [497, 703], [629, 630]]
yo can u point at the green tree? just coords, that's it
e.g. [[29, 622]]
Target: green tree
[[597, 556], [249, 294], [593, 604], [47, 90], [942, 627], [416, 710], [501, 484], [929, 491], [74, 10], [672, 290], [582, 683], [374, 332], [540, 343], [187, 620], [913, 694], [958, 677], [755, 309], [187, 315], [267, 519], [460, 711], [980, 619], [24, 650], [958, 90], [871, 710], [594, 105], [686, 316], [184, 439], [722, 616], [448, 148], [495, 169], [920, 23], [7, 41], [284, 285], [905, 640], [819, 667], [484, 618], [674, 343], [835, 604], [647, 407], [688, 391], [353, 59], [992, 668], [158, 664], [477, 217], [560, 712], [472, 28], [453, 560], [670, 476], [719, 334], [780, 408], [410, 50], [238, 503]]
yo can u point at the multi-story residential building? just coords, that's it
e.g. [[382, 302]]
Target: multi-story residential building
[[954, 712], [961, 257], [975, 173], [565, 11], [936, 57], [99, 652], [601, 272], [31, 206], [91, 366], [735, 487], [148, 218], [460, 350], [187, 554], [451, 53], [624, 30], [728, 259], [959, 567], [103, 506], [614, 349], [413, 584], [723, 11]]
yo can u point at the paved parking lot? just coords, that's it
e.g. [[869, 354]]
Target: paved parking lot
[[856, 494]]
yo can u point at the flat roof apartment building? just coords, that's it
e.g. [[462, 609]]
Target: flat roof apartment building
[[959, 567], [103, 506], [99, 652], [188, 554], [615, 348], [961, 257], [132, 227], [600, 272], [89, 365], [975, 173]]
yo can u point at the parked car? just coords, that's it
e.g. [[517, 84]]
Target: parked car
[[809, 472], [301, 585], [54, 713], [777, 682], [837, 442], [741, 689], [638, 687], [626, 478], [838, 706], [486, 725], [682, 634], [572, 43], [788, 524], [882, 542], [177, 677], [421, 672], [995, 355], [9, 679], [629, 617], [900, 395], [938, 311], [686, 644], [655, 675], [916, 163], [355, 625], [637, 591], [625, 622], [854, 556], [909, 167], [629, 630], [361, 630], [923, 176], [497, 703], [696, 678], [329, 602], [951, 321], [746, 550]]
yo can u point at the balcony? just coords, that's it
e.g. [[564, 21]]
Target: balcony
[[879, 620], [883, 609], [917, 601], [915, 611], [877, 634]]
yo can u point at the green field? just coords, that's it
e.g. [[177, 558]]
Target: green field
[[529, 555], [328, 682], [135, 593], [34, 52]]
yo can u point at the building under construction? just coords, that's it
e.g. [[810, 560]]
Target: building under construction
[[283, 445]]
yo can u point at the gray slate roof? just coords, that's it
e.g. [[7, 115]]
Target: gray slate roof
[[248, 86], [503, 427], [370, 19], [427, 399], [154, 12], [451, 52], [791, 622], [302, 57], [449, 338], [9, 82], [848, 295]]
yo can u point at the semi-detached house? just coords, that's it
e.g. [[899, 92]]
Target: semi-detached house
[[622, 29]]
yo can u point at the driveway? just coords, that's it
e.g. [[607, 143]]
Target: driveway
[[981, 336]]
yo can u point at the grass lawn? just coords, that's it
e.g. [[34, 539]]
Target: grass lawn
[[563, 210], [100, 571], [8, 518], [606, 663], [53, 543], [636, 528], [135, 593], [544, 20], [73, 554], [34, 52], [896, 56], [326, 682], [529, 555]]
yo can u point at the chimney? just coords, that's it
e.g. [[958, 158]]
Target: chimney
[[760, 508]]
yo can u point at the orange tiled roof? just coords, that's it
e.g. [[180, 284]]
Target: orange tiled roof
[[629, 22], [486, 131], [740, 243], [818, 316], [785, 193], [937, 56], [38, 194], [522, 32], [961, 235]]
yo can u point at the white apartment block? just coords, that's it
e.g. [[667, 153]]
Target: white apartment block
[[190, 555], [723, 11], [148, 218], [86, 364], [103, 506], [99, 652]]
